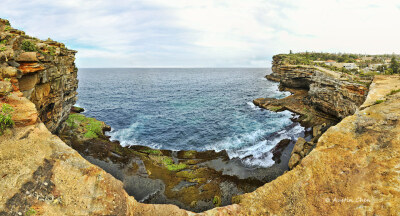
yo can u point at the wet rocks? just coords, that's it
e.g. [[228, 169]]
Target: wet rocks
[[183, 178]]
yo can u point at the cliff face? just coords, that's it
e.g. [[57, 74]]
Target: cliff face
[[44, 71], [331, 92]]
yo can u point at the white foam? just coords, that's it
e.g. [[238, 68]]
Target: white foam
[[252, 106], [252, 148], [126, 137]]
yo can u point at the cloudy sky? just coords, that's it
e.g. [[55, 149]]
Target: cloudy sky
[[206, 33]]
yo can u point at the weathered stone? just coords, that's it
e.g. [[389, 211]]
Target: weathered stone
[[317, 130], [13, 64], [28, 82], [7, 72], [294, 160], [27, 57], [299, 146], [5, 88]]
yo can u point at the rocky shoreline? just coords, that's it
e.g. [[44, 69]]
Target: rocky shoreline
[[192, 180], [320, 97]]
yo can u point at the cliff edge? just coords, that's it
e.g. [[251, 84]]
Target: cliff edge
[[44, 71]]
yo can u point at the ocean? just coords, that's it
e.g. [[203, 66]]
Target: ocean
[[189, 109]]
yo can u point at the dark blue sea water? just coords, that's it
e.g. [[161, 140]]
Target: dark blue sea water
[[188, 109]]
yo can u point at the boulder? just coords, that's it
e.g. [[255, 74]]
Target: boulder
[[294, 161]]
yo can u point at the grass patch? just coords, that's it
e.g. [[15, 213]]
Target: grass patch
[[5, 118], [52, 50], [171, 166], [275, 108], [92, 127], [217, 201], [379, 101], [152, 151], [393, 92], [31, 212]]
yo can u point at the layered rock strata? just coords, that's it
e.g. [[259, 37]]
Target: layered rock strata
[[333, 93], [44, 71]]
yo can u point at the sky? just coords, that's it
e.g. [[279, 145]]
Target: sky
[[207, 33]]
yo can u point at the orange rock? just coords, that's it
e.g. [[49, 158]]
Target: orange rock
[[24, 111], [30, 67]]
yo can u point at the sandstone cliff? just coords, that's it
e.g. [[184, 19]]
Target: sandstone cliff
[[44, 71], [333, 93]]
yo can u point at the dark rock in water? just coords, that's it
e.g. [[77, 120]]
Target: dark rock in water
[[277, 150]]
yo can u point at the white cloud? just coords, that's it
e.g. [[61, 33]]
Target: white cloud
[[206, 33]]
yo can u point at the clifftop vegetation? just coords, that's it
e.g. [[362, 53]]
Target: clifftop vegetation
[[348, 63]]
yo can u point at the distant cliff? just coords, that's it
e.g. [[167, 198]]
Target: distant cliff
[[44, 71], [333, 93]]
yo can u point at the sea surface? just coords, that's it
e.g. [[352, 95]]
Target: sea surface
[[189, 109]]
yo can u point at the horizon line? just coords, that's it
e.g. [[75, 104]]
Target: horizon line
[[166, 67]]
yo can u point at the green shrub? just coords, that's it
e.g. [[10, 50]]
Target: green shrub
[[379, 101], [5, 118], [28, 46], [52, 50], [2, 48], [169, 164], [31, 212], [217, 201]]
